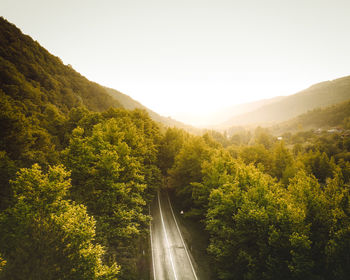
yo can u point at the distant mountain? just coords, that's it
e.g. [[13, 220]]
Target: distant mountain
[[228, 113], [321, 118], [320, 95], [128, 103], [251, 106]]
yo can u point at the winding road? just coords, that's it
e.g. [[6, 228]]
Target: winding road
[[171, 259]]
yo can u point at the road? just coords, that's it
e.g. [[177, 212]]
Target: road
[[171, 259]]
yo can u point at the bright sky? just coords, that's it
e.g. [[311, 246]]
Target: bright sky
[[188, 58]]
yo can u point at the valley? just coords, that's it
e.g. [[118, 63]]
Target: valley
[[94, 185]]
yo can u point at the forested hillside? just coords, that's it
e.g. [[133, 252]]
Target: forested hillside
[[336, 116], [77, 179], [33, 75], [320, 95]]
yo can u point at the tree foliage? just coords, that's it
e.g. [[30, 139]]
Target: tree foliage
[[46, 236], [114, 174], [272, 210]]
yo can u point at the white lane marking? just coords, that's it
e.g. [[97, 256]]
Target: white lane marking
[[166, 237], [188, 256], [150, 232]]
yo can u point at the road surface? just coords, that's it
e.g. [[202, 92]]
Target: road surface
[[171, 259]]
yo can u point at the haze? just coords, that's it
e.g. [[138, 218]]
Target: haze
[[190, 59]]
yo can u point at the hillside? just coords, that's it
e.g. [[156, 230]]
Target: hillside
[[236, 110], [320, 95], [85, 172], [30, 73], [321, 118], [128, 103]]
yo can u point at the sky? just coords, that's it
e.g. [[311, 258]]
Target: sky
[[190, 59]]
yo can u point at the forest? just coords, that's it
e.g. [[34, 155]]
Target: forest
[[78, 173], [273, 208]]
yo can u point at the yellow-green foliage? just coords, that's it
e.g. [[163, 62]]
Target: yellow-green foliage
[[267, 215], [112, 157], [2, 264], [46, 236]]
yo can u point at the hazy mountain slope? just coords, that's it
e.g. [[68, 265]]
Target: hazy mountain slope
[[126, 101], [236, 110], [319, 95], [28, 71], [324, 118], [129, 103]]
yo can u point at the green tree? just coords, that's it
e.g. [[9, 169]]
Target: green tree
[[7, 171], [263, 137], [170, 145], [2, 264], [338, 244], [319, 165], [187, 168], [259, 156], [255, 229], [282, 158], [327, 216], [108, 175], [45, 236], [216, 171]]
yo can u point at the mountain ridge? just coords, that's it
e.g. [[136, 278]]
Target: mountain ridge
[[129, 103], [334, 116], [319, 95], [29, 72], [235, 110], [30, 69]]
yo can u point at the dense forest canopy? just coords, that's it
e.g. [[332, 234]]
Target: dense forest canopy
[[78, 173], [273, 208]]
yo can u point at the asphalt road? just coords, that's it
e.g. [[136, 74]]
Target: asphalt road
[[171, 259]]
